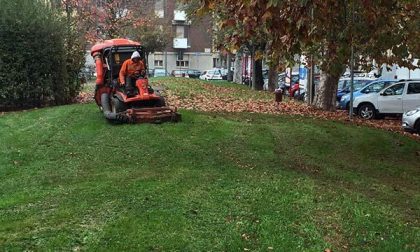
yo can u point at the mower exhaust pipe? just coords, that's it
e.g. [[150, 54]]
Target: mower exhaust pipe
[[108, 113]]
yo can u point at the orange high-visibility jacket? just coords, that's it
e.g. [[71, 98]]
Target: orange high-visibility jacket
[[130, 68]]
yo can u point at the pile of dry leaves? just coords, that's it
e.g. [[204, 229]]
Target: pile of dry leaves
[[216, 98]]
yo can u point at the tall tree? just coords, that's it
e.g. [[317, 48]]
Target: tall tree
[[154, 34], [105, 19]]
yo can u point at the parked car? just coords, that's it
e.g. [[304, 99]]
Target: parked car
[[396, 99], [224, 73], [302, 94], [411, 120], [179, 73], [344, 85], [214, 74], [357, 74], [192, 73], [159, 72], [372, 87], [187, 73]]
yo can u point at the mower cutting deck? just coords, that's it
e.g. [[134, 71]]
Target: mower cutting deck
[[154, 115]]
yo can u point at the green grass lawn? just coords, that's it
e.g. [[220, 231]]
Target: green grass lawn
[[214, 182]]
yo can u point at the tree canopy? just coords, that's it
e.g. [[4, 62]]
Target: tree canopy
[[380, 30]]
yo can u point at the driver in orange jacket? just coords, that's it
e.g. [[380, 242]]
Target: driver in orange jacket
[[129, 70]]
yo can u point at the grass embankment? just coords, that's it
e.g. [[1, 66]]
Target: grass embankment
[[214, 182]]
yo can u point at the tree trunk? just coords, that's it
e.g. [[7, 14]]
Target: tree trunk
[[257, 76], [327, 91], [229, 68], [237, 72], [272, 79], [332, 68]]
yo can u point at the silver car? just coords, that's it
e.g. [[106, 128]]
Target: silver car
[[411, 120]]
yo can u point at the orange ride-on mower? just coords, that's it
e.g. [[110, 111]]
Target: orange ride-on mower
[[144, 105]]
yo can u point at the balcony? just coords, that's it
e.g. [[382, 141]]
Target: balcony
[[180, 16], [181, 43]]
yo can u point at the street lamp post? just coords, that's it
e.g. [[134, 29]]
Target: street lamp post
[[352, 64], [351, 81]]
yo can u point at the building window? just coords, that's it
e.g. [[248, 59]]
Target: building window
[[158, 63], [159, 9], [182, 63], [180, 31]]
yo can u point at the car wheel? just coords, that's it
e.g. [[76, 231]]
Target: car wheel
[[367, 111], [161, 102], [417, 126]]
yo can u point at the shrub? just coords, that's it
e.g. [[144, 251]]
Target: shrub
[[34, 62]]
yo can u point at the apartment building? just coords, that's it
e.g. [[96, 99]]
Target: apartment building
[[191, 45]]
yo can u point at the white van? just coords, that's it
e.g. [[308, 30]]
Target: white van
[[395, 72]]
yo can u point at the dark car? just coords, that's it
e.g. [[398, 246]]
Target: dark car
[[179, 73], [189, 73], [192, 73]]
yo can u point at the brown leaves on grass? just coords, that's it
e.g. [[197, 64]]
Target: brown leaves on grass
[[224, 99], [197, 95], [84, 97]]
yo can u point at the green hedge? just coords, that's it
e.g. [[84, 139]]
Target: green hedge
[[34, 61]]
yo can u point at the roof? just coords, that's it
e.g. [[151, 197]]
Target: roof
[[113, 42]]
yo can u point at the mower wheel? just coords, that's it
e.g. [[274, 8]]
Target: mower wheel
[[161, 102], [117, 106]]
